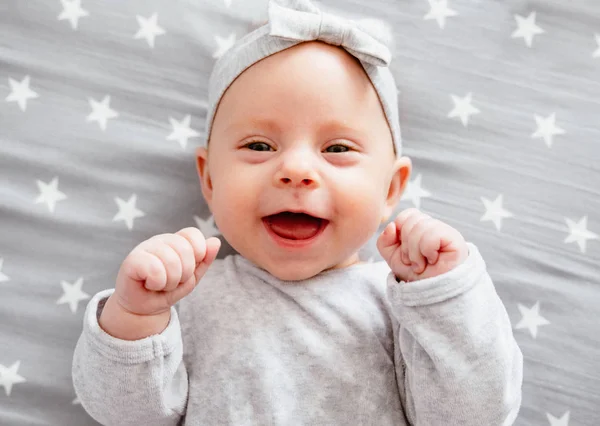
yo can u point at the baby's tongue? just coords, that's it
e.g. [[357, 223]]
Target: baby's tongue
[[294, 226]]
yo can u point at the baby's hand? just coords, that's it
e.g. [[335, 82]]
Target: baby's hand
[[416, 246], [163, 269]]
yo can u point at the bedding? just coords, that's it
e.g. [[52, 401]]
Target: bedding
[[102, 104]]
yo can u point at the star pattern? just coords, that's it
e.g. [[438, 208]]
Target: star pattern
[[149, 29], [463, 108], [182, 131], [494, 211], [72, 294], [72, 11], [563, 421], [527, 28], [224, 44], [439, 10], [3, 277], [547, 128], [101, 112], [531, 319], [49, 193], [21, 92], [596, 53], [414, 191], [207, 226], [579, 233], [9, 377], [128, 212]]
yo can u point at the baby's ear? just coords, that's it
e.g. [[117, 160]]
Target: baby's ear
[[203, 173]]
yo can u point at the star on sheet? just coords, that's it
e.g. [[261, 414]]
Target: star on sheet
[[149, 29], [3, 277], [224, 44], [10, 377], [49, 193], [547, 128], [127, 211], [579, 233], [208, 227], [531, 319], [101, 112], [494, 211], [72, 294], [182, 131], [414, 191], [21, 92], [463, 108], [439, 10], [563, 421], [527, 28], [72, 11], [596, 53]]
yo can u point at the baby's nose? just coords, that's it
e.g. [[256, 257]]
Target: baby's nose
[[298, 172]]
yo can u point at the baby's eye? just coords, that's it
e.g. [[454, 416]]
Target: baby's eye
[[258, 146], [338, 148]]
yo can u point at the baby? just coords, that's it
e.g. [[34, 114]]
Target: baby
[[302, 165]]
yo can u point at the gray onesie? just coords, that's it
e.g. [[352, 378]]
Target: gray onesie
[[349, 346]]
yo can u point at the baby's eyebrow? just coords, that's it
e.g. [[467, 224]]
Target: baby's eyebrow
[[273, 126]]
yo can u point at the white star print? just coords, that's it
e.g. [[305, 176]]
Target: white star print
[[182, 131], [563, 421], [439, 11], [207, 227], [127, 211], [49, 193], [224, 44], [494, 211], [526, 28], [149, 29], [20, 92], [72, 294], [596, 53], [579, 233], [72, 11], [9, 376], [101, 112], [415, 192], [3, 277], [463, 108], [547, 128], [531, 319]]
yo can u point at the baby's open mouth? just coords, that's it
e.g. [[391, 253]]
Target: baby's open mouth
[[295, 226]]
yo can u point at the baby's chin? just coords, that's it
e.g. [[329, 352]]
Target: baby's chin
[[299, 271]]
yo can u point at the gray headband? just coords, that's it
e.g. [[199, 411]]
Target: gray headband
[[295, 21]]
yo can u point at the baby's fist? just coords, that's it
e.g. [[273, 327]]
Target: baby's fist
[[164, 269], [416, 246]]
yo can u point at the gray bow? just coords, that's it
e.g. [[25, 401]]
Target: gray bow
[[301, 20]]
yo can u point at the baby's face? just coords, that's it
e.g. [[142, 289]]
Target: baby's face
[[301, 130]]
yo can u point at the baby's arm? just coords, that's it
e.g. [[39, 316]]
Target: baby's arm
[[130, 382], [456, 358], [461, 363], [127, 366]]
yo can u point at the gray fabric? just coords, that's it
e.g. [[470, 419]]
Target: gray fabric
[[546, 274], [348, 346], [295, 21]]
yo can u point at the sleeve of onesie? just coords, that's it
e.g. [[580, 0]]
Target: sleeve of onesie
[[456, 358], [121, 382]]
